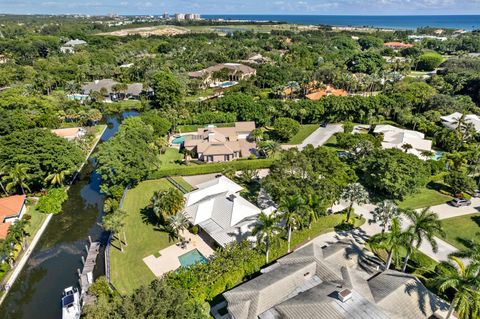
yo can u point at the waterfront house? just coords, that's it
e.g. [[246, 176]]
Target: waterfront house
[[453, 120], [71, 133], [394, 137], [326, 91], [12, 209], [335, 281], [69, 46], [397, 45], [218, 209], [234, 72], [108, 87], [221, 144]]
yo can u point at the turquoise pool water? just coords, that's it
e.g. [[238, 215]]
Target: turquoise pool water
[[227, 84], [438, 155], [192, 257], [178, 140]]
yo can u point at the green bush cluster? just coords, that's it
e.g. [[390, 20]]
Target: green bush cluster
[[53, 201], [212, 168]]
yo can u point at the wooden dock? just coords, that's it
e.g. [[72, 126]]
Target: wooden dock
[[86, 275]]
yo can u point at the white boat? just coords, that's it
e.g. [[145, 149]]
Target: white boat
[[71, 303]]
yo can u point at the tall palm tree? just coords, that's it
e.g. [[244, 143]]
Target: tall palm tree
[[392, 241], [384, 213], [354, 194], [424, 225], [57, 178], [115, 222], [472, 251], [465, 282], [17, 177], [179, 222], [266, 230], [406, 147], [167, 203], [291, 209]]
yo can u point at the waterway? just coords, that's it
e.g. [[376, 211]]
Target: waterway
[[54, 262]]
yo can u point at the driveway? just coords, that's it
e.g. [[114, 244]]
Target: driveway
[[318, 137]]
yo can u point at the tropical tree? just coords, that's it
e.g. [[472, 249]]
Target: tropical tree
[[115, 222], [424, 225], [472, 251], [292, 209], [266, 229], [57, 178], [392, 242], [17, 231], [384, 213], [179, 222], [2, 173], [406, 147], [167, 203], [464, 281], [269, 148], [354, 193], [17, 177]]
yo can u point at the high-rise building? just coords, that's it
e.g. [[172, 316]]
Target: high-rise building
[[179, 16], [166, 15], [192, 16]]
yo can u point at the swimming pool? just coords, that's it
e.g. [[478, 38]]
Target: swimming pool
[[178, 140], [437, 156], [191, 258], [227, 84]]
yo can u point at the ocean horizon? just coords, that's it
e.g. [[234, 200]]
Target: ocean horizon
[[410, 22]]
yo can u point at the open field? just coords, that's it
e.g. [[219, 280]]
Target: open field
[[167, 30], [461, 229], [303, 133], [128, 271]]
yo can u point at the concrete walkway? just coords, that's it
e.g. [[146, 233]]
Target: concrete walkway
[[318, 137]]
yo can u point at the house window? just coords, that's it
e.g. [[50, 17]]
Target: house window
[[227, 157]]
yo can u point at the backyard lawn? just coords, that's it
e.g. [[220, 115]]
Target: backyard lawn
[[424, 197], [459, 229], [168, 159], [128, 271], [303, 133]]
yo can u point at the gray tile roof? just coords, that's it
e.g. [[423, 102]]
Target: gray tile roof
[[306, 283]]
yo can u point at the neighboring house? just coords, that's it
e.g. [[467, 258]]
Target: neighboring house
[[395, 59], [422, 37], [336, 281], [221, 144], [397, 45], [451, 121], [257, 59], [327, 91], [71, 133], [217, 207], [394, 137], [69, 46], [134, 90], [234, 72], [12, 209]]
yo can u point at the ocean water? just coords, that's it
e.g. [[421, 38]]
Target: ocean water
[[466, 22]]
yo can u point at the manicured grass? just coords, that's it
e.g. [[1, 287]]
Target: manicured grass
[[303, 133], [183, 183], [202, 93], [169, 157], [462, 228], [424, 197], [35, 222], [128, 271]]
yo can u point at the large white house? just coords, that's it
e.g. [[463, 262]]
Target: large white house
[[394, 137], [451, 121], [217, 207]]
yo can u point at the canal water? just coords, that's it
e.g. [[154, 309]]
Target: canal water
[[54, 262]]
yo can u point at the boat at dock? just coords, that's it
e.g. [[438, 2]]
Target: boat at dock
[[71, 308]]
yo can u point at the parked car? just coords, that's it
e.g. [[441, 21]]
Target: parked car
[[459, 202], [476, 193], [324, 124]]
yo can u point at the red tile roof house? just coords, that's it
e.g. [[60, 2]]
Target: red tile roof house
[[12, 209], [397, 45], [221, 144]]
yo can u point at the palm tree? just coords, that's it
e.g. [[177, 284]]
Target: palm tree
[[384, 212], [167, 203], [406, 147], [17, 231], [465, 282], [423, 225], [179, 222], [354, 194], [17, 177], [391, 241], [472, 251], [57, 178], [115, 222], [265, 230], [291, 209]]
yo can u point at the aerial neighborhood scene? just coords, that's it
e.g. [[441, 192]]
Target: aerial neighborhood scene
[[240, 160]]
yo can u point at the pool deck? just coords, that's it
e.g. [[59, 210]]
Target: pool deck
[[168, 259]]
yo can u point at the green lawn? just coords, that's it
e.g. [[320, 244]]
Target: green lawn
[[183, 183], [128, 271], [424, 197], [35, 223], [303, 133], [459, 229], [202, 93], [168, 159]]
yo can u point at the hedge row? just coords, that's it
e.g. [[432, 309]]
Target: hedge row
[[186, 170]]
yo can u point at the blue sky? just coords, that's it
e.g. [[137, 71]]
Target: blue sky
[[363, 7]]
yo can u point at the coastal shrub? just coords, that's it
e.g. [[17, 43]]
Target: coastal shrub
[[429, 61], [286, 128], [53, 201]]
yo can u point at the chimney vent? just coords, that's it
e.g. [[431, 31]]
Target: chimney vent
[[344, 295]]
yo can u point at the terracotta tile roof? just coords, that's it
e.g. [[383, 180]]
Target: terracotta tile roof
[[4, 230], [398, 44], [66, 132], [329, 90], [11, 206]]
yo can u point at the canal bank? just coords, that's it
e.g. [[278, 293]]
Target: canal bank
[[53, 263]]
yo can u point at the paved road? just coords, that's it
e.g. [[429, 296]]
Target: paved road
[[318, 137]]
